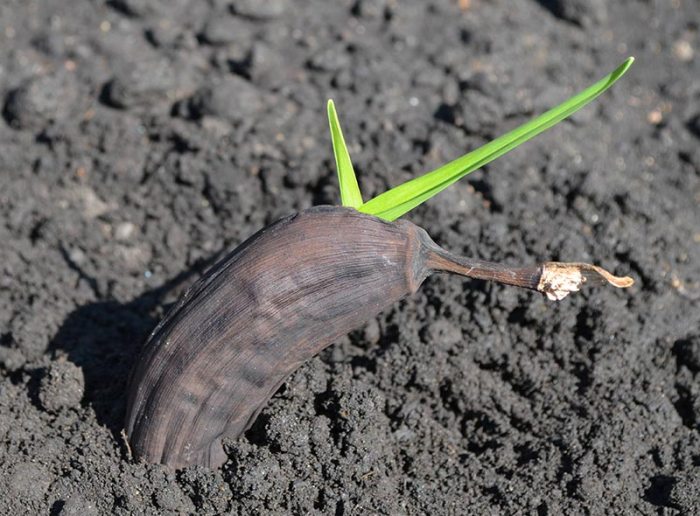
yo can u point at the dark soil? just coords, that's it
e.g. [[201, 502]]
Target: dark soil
[[141, 139]]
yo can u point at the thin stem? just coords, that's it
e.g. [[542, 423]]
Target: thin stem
[[525, 277], [554, 279]]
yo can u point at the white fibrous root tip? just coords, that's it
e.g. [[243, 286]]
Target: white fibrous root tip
[[558, 279]]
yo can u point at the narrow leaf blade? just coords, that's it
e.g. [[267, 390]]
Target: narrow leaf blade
[[395, 202], [349, 191]]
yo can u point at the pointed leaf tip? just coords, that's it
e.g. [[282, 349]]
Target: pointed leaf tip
[[349, 190], [393, 203]]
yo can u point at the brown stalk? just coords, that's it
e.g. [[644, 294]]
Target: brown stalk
[[554, 279]]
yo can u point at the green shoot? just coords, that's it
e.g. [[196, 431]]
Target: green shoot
[[392, 204], [349, 191]]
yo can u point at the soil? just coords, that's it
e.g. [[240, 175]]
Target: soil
[[141, 140]]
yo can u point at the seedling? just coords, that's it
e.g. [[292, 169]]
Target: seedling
[[296, 286], [401, 199]]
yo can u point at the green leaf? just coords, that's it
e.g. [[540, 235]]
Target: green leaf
[[392, 204], [349, 191]]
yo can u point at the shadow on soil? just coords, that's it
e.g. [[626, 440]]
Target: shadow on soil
[[104, 340]]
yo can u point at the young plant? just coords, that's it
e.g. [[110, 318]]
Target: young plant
[[293, 288], [399, 200]]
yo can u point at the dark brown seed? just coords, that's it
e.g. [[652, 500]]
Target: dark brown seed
[[277, 300]]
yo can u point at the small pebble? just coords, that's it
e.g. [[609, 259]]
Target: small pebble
[[62, 386], [11, 358], [42, 100], [330, 59], [683, 50], [124, 231], [655, 117], [232, 98], [143, 83], [442, 332], [266, 65], [135, 258], [372, 332], [28, 329]]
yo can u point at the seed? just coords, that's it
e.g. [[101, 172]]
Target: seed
[[276, 301]]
